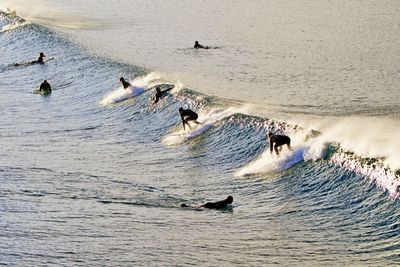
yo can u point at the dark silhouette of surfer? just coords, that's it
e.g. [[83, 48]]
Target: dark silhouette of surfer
[[45, 87], [188, 115], [125, 84], [222, 204], [160, 93], [199, 46], [277, 141], [40, 60]]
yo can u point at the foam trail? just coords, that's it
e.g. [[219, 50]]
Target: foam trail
[[139, 85], [208, 120], [13, 26], [272, 163]]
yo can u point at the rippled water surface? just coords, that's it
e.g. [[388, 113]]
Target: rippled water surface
[[93, 176]]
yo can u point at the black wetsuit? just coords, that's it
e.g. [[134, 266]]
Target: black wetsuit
[[216, 205], [213, 205], [197, 45], [189, 115], [125, 84], [160, 93], [219, 204], [38, 61], [277, 140], [45, 87]]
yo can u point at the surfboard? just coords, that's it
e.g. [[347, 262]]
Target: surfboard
[[43, 93], [121, 94]]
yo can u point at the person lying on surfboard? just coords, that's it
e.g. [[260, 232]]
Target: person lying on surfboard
[[45, 87], [197, 45], [160, 93], [276, 140], [40, 60], [222, 204], [125, 84], [188, 115]]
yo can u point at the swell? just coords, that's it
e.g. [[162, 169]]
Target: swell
[[234, 139]]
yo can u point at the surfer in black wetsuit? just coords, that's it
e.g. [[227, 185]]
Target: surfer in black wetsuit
[[222, 204], [125, 84], [276, 140], [160, 93], [45, 87], [188, 115], [197, 45], [40, 60]]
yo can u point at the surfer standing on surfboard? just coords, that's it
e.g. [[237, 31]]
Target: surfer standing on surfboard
[[188, 115], [276, 140]]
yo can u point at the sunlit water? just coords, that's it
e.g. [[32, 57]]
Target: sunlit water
[[87, 181]]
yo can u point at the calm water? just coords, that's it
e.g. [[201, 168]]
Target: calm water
[[94, 176]]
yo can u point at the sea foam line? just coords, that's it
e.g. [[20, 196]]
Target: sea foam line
[[383, 177]]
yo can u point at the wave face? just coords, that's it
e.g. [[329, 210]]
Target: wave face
[[93, 174]]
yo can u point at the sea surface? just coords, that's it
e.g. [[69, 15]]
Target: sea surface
[[95, 175]]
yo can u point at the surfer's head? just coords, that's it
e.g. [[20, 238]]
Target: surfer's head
[[42, 54], [270, 134], [121, 79], [158, 89], [45, 81], [229, 200], [196, 43], [180, 109]]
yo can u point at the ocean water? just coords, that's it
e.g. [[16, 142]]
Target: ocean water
[[95, 175]]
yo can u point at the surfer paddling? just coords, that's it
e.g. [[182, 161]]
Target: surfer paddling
[[125, 84], [188, 115], [40, 60], [276, 140], [222, 204], [199, 46], [160, 93]]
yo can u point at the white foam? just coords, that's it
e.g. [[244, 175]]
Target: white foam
[[367, 137], [121, 94], [13, 26], [208, 120], [268, 162], [139, 85], [384, 178]]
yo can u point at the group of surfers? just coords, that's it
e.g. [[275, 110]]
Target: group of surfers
[[276, 141]]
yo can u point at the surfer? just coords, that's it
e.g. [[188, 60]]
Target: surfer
[[40, 60], [160, 93], [125, 84], [276, 140], [45, 87], [222, 204], [197, 45], [188, 115]]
